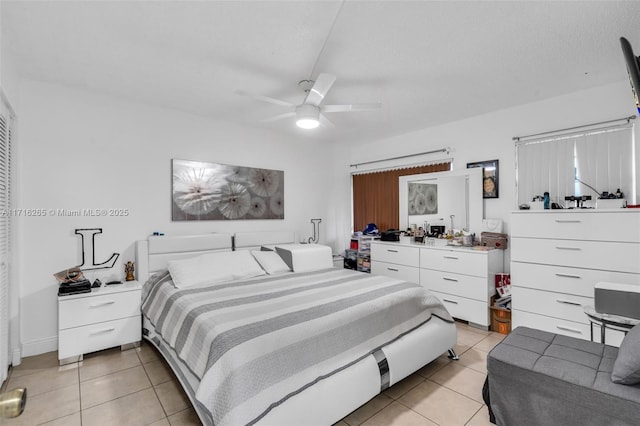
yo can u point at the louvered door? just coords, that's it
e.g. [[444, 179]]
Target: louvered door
[[5, 235]]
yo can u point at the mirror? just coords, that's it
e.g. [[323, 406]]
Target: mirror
[[435, 197]]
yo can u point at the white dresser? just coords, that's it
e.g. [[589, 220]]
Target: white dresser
[[557, 257], [108, 316], [462, 278]]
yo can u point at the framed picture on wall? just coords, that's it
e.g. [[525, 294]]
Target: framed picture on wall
[[489, 177], [212, 191]]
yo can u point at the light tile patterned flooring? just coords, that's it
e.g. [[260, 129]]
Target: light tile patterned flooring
[[136, 387]]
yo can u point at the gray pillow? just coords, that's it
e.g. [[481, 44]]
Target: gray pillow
[[626, 369]]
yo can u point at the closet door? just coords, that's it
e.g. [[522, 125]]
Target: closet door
[[5, 236]]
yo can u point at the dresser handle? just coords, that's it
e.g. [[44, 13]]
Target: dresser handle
[[392, 251], [568, 248], [450, 279], [567, 275], [567, 221], [450, 301], [450, 257], [572, 330], [568, 302], [97, 305], [392, 269], [106, 330]]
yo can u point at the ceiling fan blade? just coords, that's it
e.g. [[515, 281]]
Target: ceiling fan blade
[[264, 98], [320, 88], [354, 107], [324, 121], [279, 117]]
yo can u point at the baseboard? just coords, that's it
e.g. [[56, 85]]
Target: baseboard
[[38, 347], [16, 357]]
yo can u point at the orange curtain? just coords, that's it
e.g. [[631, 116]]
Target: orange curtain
[[375, 195]]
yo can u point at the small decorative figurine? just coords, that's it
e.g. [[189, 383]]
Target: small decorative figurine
[[128, 269]]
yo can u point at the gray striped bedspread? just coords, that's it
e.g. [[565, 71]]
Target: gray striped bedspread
[[254, 343]]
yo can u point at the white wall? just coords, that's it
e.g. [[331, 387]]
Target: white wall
[[489, 136], [81, 150]]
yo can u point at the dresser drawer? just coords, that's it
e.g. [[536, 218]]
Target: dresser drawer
[[562, 279], [465, 309], [564, 306], [98, 308], [392, 253], [611, 256], [95, 337], [456, 284], [468, 263], [581, 225], [401, 272], [550, 324]]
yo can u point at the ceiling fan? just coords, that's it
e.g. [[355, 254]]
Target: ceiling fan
[[310, 113]]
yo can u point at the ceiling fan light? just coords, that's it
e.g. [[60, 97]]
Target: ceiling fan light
[[307, 116], [307, 123]]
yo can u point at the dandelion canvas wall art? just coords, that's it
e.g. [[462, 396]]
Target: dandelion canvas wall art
[[423, 198], [210, 191]]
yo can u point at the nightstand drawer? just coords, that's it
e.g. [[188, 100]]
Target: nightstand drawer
[[402, 272], [94, 309], [95, 337], [455, 261]]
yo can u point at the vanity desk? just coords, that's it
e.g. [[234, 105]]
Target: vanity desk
[[461, 277]]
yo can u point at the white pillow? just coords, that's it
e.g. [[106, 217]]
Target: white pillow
[[270, 261], [214, 268], [306, 257]]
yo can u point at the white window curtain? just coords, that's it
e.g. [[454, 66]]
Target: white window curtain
[[570, 164], [6, 132], [605, 161]]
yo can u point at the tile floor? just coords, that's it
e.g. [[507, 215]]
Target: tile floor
[[136, 387]]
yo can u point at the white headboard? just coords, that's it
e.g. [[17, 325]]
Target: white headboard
[[255, 240], [155, 252]]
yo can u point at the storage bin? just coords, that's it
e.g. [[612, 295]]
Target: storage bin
[[350, 259], [500, 320], [364, 242], [364, 262], [494, 239]]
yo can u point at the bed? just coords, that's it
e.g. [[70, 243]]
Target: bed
[[286, 348]]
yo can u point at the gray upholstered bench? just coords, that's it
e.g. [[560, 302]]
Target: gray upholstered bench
[[541, 378]]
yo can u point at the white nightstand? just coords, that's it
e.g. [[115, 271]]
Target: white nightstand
[[108, 316]]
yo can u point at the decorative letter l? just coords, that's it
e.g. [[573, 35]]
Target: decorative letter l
[[108, 263]]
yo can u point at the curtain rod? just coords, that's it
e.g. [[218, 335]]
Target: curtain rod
[[627, 119], [447, 150]]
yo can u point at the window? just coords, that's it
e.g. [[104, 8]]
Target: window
[[583, 163]]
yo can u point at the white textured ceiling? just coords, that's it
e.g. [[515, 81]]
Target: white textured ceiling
[[427, 62]]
